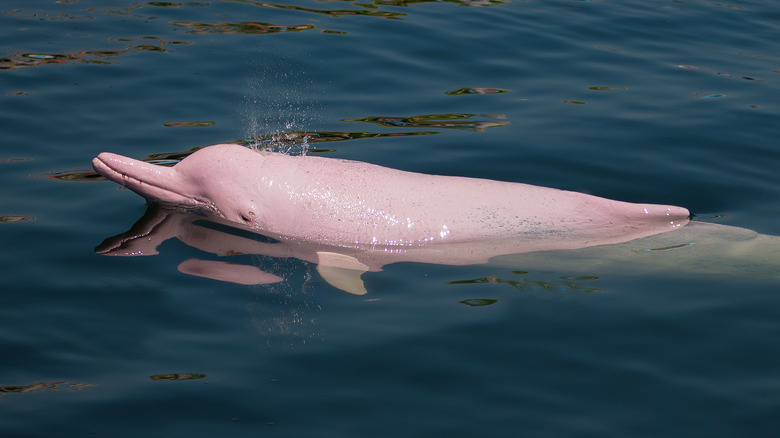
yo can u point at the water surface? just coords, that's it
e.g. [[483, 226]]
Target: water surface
[[663, 101]]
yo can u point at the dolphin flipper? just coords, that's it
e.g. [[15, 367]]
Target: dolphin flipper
[[342, 271]]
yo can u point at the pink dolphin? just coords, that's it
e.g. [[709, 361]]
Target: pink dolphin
[[353, 204]]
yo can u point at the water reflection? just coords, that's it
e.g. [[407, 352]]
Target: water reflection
[[538, 285], [36, 59], [700, 248], [47, 16], [561, 284], [478, 302], [367, 11], [720, 73], [187, 124], [16, 218], [43, 386], [371, 9], [178, 376], [405, 3], [101, 57], [339, 266], [281, 141], [137, 10], [286, 139], [246, 28], [476, 90], [448, 121]]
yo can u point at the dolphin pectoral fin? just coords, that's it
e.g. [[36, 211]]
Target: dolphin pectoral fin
[[342, 272], [229, 272], [347, 280]]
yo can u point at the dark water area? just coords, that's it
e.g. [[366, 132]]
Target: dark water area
[[672, 102]]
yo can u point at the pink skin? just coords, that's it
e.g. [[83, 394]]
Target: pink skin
[[354, 204]]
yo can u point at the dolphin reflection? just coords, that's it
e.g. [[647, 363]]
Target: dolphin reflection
[[699, 248]]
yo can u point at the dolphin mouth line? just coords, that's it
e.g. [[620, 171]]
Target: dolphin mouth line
[[129, 181]]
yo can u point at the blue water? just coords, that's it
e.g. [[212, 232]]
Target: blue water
[[672, 102]]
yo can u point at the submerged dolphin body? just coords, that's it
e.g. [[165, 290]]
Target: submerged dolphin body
[[349, 203], [351, 217]]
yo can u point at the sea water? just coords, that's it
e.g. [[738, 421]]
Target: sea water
[[672, 102]]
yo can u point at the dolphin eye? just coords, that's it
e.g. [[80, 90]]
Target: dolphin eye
[[248, 217]]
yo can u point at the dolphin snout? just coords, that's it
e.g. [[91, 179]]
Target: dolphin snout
[[153, 182]]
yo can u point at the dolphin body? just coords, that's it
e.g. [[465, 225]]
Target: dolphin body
[[355, 204], [351, 217]]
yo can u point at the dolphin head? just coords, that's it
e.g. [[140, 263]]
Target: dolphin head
[[210, 180]]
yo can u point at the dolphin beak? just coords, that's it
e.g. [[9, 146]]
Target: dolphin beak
[[153, 182]]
